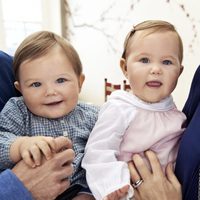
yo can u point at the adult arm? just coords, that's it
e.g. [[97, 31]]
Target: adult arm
[[156, 185], [188, 159], [50, 179], [12, 188]]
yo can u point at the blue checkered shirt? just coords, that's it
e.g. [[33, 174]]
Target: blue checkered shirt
[[16, 120]]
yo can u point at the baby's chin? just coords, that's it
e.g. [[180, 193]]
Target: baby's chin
[[152, 100], [51, 114], [52, 111]]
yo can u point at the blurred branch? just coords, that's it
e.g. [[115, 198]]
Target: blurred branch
[[100, 23], [65, 15]]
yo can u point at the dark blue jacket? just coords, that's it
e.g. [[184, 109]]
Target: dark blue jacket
[[11, 188], [188, 159], [7, 89]]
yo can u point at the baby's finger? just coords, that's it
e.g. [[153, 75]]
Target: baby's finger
[[122, 191], [36, 154], [26, 156], [111, 196], [51, 142], [45, 149]]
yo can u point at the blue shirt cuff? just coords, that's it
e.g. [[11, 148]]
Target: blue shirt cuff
[[12, 188]]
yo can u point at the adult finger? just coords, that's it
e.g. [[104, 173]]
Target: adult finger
[[136, 195], [65, 172], [154, 163], [141, 167], [64, 185], [133, 172], [62, 143], [171, 176], [65, 156]]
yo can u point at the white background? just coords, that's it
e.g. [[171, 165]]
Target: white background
[[99, 27]]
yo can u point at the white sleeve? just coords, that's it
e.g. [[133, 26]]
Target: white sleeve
[[104, 173]]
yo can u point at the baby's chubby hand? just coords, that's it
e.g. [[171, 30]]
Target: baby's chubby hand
[[32, 149], [118, 194]]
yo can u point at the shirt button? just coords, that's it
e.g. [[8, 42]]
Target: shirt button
[[65, 133]]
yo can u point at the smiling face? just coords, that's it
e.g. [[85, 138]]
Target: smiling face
[[152, 64], [49, 85]]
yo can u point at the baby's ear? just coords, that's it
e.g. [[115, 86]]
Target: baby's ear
[[81, 80], [17, 86], [181, 70], [123, 66]]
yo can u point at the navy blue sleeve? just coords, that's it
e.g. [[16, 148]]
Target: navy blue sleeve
[[188, 159], [7, 89], [12, 188], [193, 100]]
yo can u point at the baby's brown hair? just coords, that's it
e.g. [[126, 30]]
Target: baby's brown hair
[[152, 26], [39, 44]]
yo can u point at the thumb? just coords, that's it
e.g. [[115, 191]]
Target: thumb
[[62, 143], [171, 176]]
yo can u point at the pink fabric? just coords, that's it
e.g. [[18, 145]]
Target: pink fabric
[[127, 125], [158, 131]]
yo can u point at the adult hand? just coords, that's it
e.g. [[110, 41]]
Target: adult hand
[[48, 180], [156, 185]]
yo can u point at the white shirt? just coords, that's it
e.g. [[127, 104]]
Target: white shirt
[[127, 125]]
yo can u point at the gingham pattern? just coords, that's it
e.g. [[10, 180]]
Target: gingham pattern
[[16, 120]]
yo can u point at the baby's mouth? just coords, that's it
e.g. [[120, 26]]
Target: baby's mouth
[[154, 83], [53, 103]]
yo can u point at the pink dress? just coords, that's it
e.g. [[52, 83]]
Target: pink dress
[[127, 125]]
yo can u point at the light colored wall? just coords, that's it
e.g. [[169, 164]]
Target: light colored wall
[[98, 30], [51, 16], [42, 14]]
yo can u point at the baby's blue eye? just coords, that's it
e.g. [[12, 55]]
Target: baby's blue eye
[[61, 80], [144, 60], [167, 62], [36, 84]]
